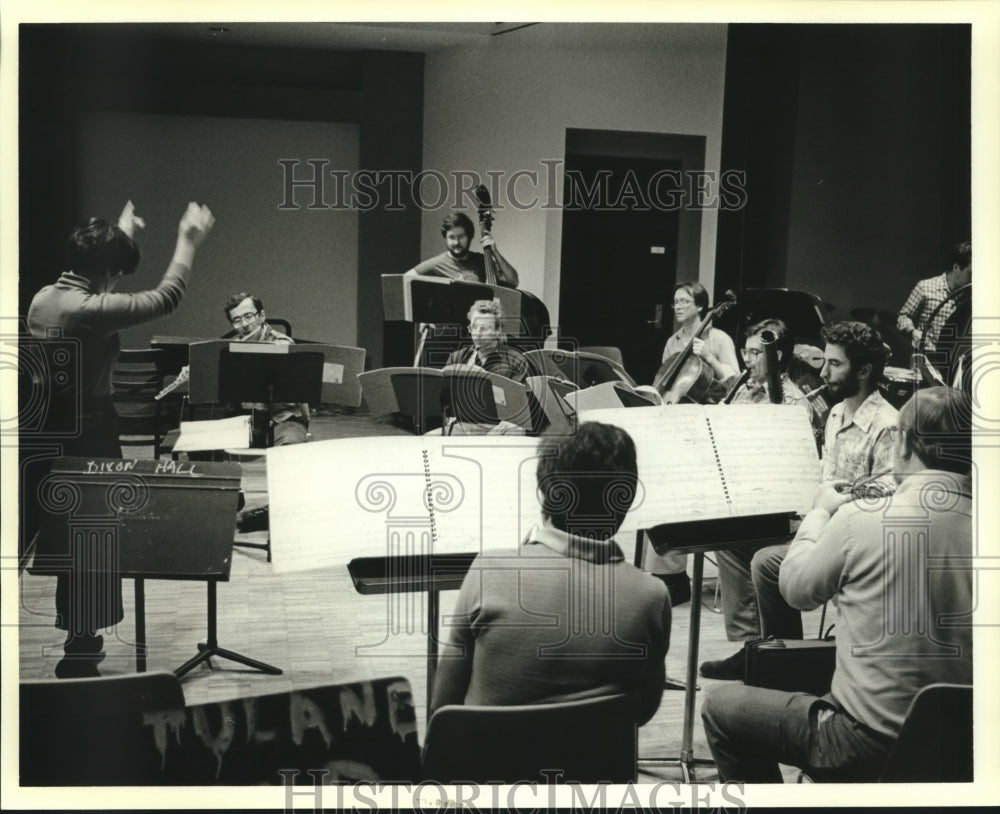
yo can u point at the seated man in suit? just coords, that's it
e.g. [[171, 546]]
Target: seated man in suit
[[900, 572], [566, 616]]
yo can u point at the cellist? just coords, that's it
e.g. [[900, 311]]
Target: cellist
[[715, 347]]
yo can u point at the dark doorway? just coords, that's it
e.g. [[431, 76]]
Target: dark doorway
[[626, 239]]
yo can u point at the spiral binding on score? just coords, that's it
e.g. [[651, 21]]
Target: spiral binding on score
[[430, 497], [718, 461]]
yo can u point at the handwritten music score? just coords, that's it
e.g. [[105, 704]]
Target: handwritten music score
[[708, 461], [334, 501]]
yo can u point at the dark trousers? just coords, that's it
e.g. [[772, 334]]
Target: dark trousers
[[751, 730], [89, 597]]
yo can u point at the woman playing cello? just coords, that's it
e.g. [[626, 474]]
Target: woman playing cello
[[713, 347]]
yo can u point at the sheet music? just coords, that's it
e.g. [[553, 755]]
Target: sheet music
[[768, 456], [331, 501], [678, 471], [334, 501], [223, 433], [497, 478], [701, 462]]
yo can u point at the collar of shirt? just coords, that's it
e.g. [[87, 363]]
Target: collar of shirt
[[570, 545], [864, 415], [938, 479], [70, 279]]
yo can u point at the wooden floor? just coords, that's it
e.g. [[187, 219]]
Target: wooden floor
[[318, 630]]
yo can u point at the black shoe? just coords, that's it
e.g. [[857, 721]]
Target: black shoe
[[724, 669], [253, 519], [83, 654], [79, 666], [678, 586]]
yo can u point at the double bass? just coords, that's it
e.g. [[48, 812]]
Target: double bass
[[534, 315], [684, 377]]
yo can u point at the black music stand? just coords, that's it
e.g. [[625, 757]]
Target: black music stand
[[468, 397], [269, 374], [418, 395], [138, 513], [580, 367], [437, 304], [698, 537]]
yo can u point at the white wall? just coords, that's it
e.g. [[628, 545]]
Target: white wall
[[301, 263], [505, 106]]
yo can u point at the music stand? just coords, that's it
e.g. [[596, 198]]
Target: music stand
[[468, 397], [269, 374], [138, 514], [418, 394], [580, 367], [699, 537], [433, 303]]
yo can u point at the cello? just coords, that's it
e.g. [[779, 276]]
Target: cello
[[684, 377]]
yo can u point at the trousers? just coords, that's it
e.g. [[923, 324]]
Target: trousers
[[777, 617], [751, 730]]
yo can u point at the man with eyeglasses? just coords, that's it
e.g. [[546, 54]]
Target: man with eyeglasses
[[857, 445], [245, 313]]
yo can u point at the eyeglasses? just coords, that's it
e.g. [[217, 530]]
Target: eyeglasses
[[752, 353], [244, 318], [683, 302]]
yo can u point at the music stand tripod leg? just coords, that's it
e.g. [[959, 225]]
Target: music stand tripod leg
[[211, 647], [687, 759], [433, 603]]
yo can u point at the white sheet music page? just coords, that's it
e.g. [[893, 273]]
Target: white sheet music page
[[334, 501], [768, 456], [483, 491], [678, 471]]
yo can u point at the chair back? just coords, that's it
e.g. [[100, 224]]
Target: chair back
[[137, 377], [935, 743], [586, 741], [90, 731], [608, 352]]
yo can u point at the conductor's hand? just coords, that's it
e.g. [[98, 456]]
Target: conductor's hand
[[128, 221], [196, 223], [830, 498]]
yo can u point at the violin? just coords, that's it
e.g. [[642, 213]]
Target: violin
[[684, 377]]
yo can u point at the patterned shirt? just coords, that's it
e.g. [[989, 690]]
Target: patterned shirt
[[863, 446], [916, 311]]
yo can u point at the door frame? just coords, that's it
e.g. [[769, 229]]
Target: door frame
[[688, 150]]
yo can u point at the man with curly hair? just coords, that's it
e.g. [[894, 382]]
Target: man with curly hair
[[857, 444]]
